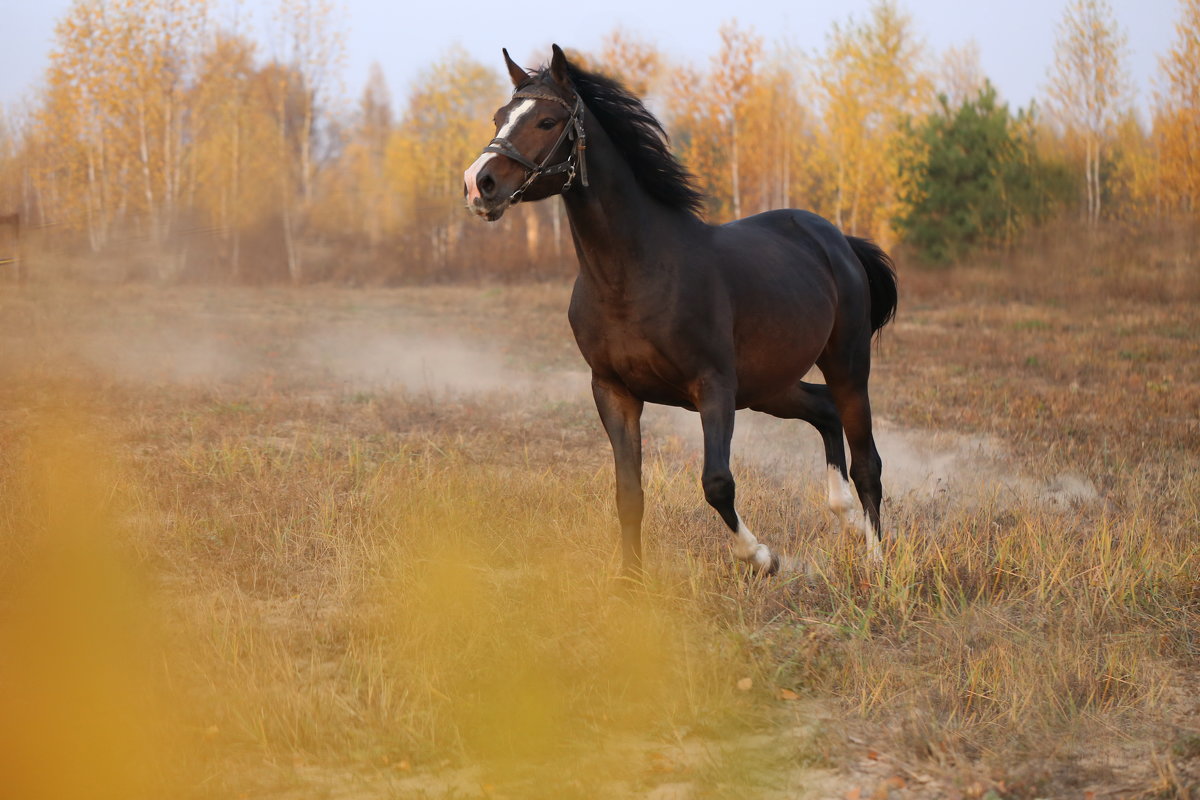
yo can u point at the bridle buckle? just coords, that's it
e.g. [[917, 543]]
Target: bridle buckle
[[570, 173]]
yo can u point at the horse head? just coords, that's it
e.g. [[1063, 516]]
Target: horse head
[[538, 150]]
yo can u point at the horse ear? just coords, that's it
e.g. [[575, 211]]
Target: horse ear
[[558, 68], [518, 75]]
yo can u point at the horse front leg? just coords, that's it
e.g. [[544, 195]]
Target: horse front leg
[[621, 415], [716, 407]]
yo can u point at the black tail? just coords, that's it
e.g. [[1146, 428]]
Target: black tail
[[881, 279]]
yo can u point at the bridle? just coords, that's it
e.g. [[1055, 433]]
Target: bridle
[[574, 164]]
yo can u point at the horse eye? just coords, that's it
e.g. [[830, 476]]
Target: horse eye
[[547, 123]]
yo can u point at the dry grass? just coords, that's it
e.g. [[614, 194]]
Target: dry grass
[[227, 557]]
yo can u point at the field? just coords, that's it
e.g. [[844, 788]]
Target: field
[[356, 543]]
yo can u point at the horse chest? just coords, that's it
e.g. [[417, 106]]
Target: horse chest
[[650, 369]]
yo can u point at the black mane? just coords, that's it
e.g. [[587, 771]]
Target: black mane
[[638, 135]]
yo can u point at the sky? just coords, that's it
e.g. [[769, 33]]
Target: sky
[[1015, 37]]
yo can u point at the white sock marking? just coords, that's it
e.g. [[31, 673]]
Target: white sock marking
[[840, 499], [842, 502], [748, 548], [874, 548]]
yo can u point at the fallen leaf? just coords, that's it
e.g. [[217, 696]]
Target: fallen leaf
[[873, 755], [854, 794], [788, 694], [745, 683]]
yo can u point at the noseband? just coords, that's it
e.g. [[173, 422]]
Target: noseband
[[574, 163]]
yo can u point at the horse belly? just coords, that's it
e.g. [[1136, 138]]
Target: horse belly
[[654, 382], [768, 365]]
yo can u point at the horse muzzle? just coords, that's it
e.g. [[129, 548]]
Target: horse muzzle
[[482, 191]]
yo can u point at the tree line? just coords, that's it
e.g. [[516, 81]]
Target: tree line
[[189, 150]]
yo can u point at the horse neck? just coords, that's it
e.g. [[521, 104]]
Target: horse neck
[[618, 227]]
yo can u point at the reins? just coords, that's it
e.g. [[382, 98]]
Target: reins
[[575, 163]]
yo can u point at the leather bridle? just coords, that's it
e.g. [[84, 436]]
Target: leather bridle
[[574, 163]]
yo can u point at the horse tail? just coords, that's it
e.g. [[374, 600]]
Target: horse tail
[[881, 280]]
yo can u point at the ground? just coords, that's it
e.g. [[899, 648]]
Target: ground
[[355, 543]]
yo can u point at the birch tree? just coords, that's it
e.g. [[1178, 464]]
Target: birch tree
[[309, 53], [1089, 87], [447, 117], [732, 79], [871, 76]]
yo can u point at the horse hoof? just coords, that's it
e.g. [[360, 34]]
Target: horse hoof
[[772, 566]]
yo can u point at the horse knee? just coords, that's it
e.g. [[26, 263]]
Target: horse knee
[[718, 489]]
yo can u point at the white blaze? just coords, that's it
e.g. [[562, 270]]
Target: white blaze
[[471, 176]]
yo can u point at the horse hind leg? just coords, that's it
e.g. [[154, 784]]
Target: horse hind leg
[[854, 407], [813, 403]]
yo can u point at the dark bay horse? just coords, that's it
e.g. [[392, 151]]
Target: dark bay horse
[[669, 309]]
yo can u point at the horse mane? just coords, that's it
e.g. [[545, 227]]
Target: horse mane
[[638, 135]]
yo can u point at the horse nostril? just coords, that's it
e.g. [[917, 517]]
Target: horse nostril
[[487, 185]]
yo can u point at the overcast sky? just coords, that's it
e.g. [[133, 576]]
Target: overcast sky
[[1015, 37]]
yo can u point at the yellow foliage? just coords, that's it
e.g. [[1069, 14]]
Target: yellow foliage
[[151, 129], [446, 123], [869, 78], [1089, 86], [632, 60], [1177, 123]]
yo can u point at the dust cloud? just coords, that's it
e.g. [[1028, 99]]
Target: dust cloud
[[436, 366], [398, 353], [923, 465]]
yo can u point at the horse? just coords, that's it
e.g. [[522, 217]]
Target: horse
[[669, 309]]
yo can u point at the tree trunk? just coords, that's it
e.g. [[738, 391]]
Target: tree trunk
[[289, 244], [557, 223], [147, 179], [737, 186], [235, 166], [786, 188], [532, 234], [89, 204]]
